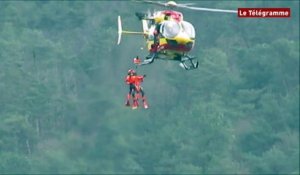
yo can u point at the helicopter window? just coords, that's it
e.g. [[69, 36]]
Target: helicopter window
[[170, 29], [188, 29]]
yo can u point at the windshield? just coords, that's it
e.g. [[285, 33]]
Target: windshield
[[170, 29], [188, 29]]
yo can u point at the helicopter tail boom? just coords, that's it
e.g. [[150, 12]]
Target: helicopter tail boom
[[121, 31]]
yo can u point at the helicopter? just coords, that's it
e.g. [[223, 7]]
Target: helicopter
[[167, 35]]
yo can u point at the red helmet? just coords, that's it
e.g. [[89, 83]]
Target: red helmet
[[131, 71]]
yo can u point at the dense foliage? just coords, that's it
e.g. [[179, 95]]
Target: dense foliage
[[62, 92]]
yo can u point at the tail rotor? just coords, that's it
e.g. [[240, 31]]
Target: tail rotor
[[119, 29]]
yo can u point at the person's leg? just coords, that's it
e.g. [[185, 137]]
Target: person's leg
[[144, 99], [134, 97], [130, 93]]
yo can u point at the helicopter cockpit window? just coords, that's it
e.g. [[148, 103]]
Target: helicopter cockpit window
[[189, 29], [169, 29]]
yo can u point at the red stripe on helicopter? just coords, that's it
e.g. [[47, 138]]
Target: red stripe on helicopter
[[173, 14], [179, 47]]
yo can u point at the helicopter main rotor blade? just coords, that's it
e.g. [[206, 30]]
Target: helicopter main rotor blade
[[206, 9], [187, 6], [154, 2]]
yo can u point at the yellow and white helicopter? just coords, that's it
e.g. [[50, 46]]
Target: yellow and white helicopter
[[167, 35]]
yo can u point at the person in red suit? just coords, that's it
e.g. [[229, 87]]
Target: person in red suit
[[134, 82]]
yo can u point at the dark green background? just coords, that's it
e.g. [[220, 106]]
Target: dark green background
[[62, 92]]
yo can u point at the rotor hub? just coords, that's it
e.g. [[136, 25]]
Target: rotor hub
[[171, 4]]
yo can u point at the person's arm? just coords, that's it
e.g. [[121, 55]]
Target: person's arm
[[141, 78], [127, 80]]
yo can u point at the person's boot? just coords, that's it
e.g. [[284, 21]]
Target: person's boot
[[127, 103], [145, 103], [135, 104]]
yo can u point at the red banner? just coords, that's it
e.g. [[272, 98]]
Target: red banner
[[264, 12]]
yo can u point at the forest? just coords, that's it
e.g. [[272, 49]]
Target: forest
[[63, 92]]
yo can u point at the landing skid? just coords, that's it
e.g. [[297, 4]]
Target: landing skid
[[188, 63]]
